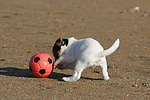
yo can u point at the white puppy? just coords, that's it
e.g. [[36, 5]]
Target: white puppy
[[84, 53]]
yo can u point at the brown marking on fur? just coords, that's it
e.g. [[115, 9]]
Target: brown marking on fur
[[57, 47], [56, 51], [60, 42]]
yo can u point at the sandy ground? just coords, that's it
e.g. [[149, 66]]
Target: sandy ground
[[31, 26]]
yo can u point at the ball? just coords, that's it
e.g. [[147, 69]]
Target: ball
[[41, 65]]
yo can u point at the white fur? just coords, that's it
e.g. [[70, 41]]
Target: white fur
[[85, 53]]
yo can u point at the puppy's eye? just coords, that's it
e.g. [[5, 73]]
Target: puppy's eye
[[65, 41]]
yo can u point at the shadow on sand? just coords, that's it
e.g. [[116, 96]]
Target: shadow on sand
[[12, 71], [17, 72]]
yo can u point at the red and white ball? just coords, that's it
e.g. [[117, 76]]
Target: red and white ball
[[41, 65]]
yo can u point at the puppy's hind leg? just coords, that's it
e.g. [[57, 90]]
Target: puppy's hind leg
[[103, 66], [77, 73]]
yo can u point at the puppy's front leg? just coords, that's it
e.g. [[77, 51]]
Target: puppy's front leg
[[61, 59], [64, 58]]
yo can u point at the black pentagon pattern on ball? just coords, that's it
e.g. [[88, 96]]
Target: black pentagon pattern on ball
[[36, 59], [49, 60], [42, 71]]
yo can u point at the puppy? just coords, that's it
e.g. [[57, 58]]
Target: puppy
[[84, 53]]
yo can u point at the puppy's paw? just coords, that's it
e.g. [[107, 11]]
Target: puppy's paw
[[106, 78], [55, 66], [68, 79]]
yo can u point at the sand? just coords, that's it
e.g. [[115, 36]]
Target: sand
[[31, 26]]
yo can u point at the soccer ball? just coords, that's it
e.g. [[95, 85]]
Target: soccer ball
[[41, 65]]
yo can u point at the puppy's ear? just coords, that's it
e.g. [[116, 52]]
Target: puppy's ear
[[56, 51], [57, 48]]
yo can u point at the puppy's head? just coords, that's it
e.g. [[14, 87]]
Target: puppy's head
[[58, 46]]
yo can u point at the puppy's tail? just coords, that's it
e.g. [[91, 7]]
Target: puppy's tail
[[111, 49]]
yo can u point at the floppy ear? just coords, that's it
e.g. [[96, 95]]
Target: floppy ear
[[56, 51], [57, 47]]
